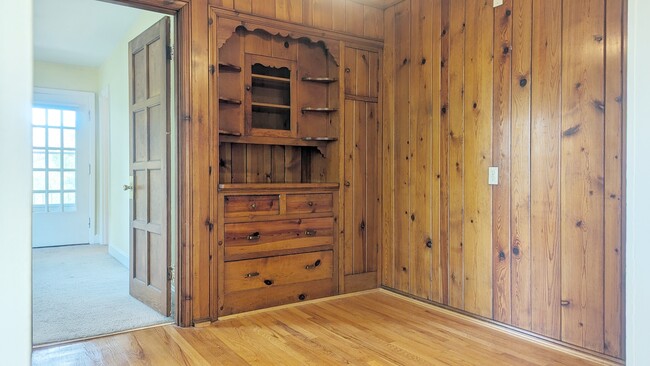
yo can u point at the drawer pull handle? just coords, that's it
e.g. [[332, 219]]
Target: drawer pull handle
[[310, 232], [565, 303], [253, 206], [268, 282], [302, 297], [251, 275], [254, 236], [310, 203], [312, 266]]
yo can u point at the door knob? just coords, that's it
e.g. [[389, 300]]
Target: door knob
[[127, 187]]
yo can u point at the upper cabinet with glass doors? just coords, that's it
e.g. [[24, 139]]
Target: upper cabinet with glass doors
[[276, 90]]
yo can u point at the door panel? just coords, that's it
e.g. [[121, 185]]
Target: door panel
[[149, 162]]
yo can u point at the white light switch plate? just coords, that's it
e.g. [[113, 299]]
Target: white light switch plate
[[498, 3], [493, 175]]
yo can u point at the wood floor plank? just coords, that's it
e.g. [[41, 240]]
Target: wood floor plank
[[369, 328]]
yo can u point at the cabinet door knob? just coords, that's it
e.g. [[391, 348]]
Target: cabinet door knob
[[310, 232], [253, 206], [310, 203], [312, 266], [268, 282], [565, 303], [254, 236], [302, 297], [251, 275], [429, 243], [347, 183]]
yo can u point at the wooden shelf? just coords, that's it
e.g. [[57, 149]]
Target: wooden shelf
[[229, 67], [268, 77], [322, 80], [269, 105], [322, 139], [318, 142], [229, 133], [277, 186], [319, 109], [229, 100]]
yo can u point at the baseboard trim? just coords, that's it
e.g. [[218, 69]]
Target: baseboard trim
[[119, 255], [519, 333]]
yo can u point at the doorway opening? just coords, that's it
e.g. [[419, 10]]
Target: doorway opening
[[104, 170]]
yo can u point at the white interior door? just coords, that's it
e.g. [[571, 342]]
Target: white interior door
[[62, 125]]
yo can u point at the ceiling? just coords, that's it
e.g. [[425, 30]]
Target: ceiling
[[79, 32]]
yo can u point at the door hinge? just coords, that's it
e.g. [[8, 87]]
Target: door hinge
[[211, 69], [170, 52], [170, 273], [89, 222]]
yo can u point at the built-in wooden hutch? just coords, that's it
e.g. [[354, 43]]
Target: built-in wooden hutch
[[295, 157]]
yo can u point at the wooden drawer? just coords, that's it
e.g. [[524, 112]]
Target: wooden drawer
[[267, 238], [237, 302], [242, 206], [277, 271], [309, 203]]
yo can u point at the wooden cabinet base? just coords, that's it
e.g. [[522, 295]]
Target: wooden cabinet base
[[242, 301]]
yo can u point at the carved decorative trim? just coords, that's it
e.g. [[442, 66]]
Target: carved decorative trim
[[226, 27]]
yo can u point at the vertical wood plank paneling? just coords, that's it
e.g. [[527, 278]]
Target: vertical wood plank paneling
[[308, 12], [277, 167], [348, 189], [359, 181], [477, 230], [338, 15], [353, 24], [373, 22], [456, 110], [402, 147], [265, 8], [289, 10], [203, 151], [420, 147], [545, 169], [293, 164], [238, 158], [444, 148], [322, 14], [520, 163], [245, 6], [225, 163], [501, 157], [613, 177], [362, 72], [582, 172], [433, 94], [535, 88], [372, 186], [389, 158]]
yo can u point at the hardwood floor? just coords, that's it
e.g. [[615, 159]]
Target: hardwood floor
[[370, 328]]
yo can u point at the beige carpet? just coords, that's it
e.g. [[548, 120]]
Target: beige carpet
[[81, 291]]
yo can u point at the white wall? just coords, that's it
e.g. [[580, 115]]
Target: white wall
[[638, 186], [67, 77], [113, 76], [15, 186]]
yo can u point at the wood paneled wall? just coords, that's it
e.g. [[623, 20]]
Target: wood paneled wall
[[533, 87], [348, 16]]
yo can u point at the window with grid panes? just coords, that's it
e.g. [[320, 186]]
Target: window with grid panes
[[54, 159]]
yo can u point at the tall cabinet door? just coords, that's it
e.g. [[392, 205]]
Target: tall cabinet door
[[362, 176]]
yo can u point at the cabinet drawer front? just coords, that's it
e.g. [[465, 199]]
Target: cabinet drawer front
[[309, 203], [265, 238], [241, 301], [241, 206], [277, 271]]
